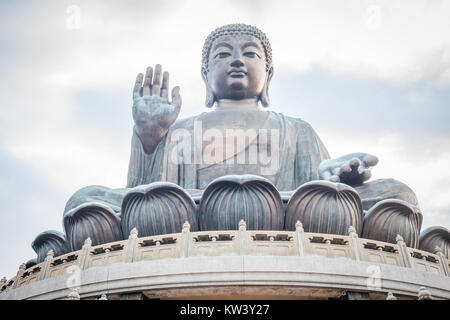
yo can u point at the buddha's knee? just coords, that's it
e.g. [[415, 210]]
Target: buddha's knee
[[107, 196], [383, 189]]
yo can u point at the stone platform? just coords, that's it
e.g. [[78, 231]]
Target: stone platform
[[240, 264]]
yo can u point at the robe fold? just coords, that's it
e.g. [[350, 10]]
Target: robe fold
[[288, 153]]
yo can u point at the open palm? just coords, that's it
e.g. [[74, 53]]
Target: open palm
[[153, 113]]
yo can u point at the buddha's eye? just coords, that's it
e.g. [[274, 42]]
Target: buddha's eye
[[222, 55], [251, 54]]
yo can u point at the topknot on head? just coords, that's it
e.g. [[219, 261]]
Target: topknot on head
[[236, 29]]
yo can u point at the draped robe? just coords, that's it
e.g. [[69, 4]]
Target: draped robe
[[292, 146]]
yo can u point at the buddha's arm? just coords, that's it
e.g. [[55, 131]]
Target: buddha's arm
[[144, 167], [153, 114], [310, 153]]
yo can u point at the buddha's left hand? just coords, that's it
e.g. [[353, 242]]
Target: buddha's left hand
[[352, 169]]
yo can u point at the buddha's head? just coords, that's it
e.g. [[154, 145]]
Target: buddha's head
[[237, 64]]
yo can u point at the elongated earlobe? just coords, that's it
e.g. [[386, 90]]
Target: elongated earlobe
[[209, 102], [210, 98], [264, 97]]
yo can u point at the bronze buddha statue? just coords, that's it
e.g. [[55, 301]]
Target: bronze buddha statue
[[237, 161]]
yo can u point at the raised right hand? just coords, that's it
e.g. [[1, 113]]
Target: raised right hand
[[153, 114]]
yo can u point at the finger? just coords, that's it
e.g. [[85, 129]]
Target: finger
[[345, 168], [366, 174], [156, 86], [148, 81], [354, 163], [165, 85], [335, 178], [137, 86], [176, 98]]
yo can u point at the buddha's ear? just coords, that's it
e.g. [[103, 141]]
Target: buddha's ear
[[264, 97], [210, 98]]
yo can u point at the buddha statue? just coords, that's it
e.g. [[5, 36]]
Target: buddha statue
[[237, 161], [237, 69]]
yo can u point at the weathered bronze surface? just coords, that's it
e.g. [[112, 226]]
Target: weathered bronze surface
[[230, 199], [49, 240], [435, 237], [325, 207], [392, 217], [157, 208]]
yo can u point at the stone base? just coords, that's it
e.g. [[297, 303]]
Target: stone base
[[241, 277]]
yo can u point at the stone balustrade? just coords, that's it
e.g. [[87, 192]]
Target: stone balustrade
[[232, 242]]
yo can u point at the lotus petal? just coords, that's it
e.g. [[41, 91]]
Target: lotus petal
[[30, 263], [252, 198], [158, 208], [433, 237], [388, 218], [50, 240], [325, 207], [93, 220]]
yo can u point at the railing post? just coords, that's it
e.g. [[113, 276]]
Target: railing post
[[300, 238], [46, 266], [84, 254], [73, 295], [442, 260], [404, 251], [390, 296], [354, 242], [242, 238], [424, 294], [131, 246], [185, 240], [21, 271]]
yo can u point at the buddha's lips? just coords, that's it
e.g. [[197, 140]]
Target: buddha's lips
[[237, 73]]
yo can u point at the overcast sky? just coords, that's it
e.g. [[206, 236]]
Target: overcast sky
[[369, 76]]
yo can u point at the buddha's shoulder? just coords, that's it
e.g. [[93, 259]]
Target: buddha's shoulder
[[291, 121]]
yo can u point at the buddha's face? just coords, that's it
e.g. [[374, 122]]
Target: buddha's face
[[237, 67]]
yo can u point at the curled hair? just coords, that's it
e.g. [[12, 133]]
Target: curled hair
[[236, 29]]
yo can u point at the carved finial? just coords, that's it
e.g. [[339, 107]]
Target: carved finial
[[103, 297], [87, 242], [242, 225], [299, 226], [3, 280], [399, 238], [22, 266], [133, 233], [50, 255], [437, 250], [390, 296], [352, 231], [186, 227], [424, 294], [73, 295]]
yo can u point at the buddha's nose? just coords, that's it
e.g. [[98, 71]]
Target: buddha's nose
[[237, 62]]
